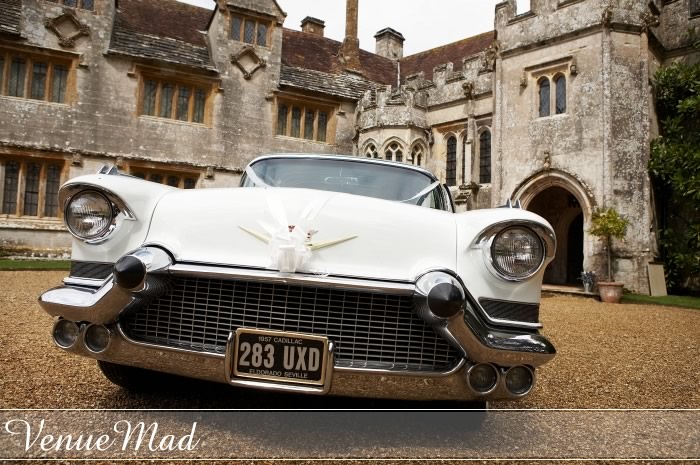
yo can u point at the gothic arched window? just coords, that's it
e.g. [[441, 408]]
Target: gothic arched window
[[394, 152], [560, 82], [485, 157], [544, 97], [451, 169], [371, 151], [417, 155]]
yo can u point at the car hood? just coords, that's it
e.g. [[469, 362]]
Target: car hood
[[379, 239]]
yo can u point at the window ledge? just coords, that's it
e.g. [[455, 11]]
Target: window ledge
[[31, 223], [157, 119], [35, 101], [544, 118], [299, 139]]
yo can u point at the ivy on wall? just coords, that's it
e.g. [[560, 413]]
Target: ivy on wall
[[675, 169]]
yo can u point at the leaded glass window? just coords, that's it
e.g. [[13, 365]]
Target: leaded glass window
[[371, 151], [174, 101], [322, 126], [296, 122], [39, 81], [31, 189], [53, 183], [18, 69], [282, 111], [173, 179], [167, 91], [417, 155], [236, 29], [200, 100], [451, 169], [249, 33], [394, 152], [60, 82], [11, 183], [302, 121], [544, 97], [88, 4], [560, 95], [150, 89], [249, 30], [183, 103], [36, 79], [485, 157], [262, 35], [308, 124]]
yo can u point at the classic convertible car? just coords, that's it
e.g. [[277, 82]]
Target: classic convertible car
[[319, 275]]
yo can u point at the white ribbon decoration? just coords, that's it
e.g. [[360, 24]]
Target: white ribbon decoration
[[288, 246]]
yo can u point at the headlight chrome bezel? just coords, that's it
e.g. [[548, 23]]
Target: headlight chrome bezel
[[487, 238], [119, 211]]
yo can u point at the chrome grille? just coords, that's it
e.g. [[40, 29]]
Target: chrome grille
[[370, 330]]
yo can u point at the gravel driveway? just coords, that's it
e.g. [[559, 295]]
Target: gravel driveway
[[609, 356]]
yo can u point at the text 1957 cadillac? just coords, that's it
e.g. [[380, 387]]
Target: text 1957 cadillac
[[319, 275]]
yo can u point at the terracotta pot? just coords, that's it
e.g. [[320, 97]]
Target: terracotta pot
[[610, 292]]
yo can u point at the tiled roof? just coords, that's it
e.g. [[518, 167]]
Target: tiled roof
[[164, 30], [316, 53], [345, 85], [10, 15], [454, 52]]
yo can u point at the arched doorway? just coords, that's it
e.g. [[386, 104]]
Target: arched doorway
[[563, 211]]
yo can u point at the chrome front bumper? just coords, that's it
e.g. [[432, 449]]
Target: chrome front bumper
[[477, 342]]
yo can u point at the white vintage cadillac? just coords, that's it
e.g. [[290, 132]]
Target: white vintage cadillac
[[319, 275]]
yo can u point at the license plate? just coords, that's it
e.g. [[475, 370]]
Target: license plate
[[280, 357]]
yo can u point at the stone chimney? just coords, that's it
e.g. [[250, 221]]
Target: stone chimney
[[350, 50], [389, 44], [313, 26]]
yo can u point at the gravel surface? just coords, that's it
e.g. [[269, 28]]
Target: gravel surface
[[609, 356]]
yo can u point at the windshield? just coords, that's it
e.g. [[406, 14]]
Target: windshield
[[350, 177]]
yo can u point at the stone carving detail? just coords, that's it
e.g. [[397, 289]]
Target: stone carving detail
[[488, 60], [547, 161], [248, 61], [67, 28], [469, 90], [649, 20], [77, 159], [607, 16], [524, 80]]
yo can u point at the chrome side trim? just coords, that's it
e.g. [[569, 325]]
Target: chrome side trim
[[85, 282], [99, 306], [207, 271], [504, 348]]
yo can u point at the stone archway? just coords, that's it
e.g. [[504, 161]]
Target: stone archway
[[567, 203], [563, 211]]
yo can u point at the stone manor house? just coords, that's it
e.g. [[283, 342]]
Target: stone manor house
[[554, 107]]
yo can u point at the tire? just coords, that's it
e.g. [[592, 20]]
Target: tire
[[131, 378]]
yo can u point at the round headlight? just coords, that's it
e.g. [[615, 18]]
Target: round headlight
[[89, 215], [517, 252]]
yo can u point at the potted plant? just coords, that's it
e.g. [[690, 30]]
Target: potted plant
[[609, 225]]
